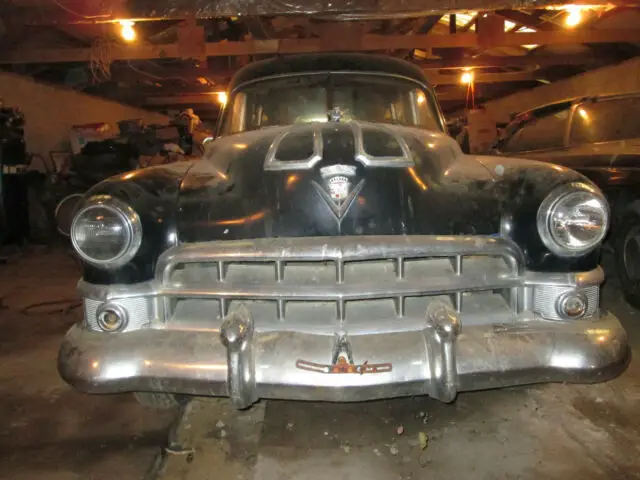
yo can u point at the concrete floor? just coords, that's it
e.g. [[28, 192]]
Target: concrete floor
[[48, 431]]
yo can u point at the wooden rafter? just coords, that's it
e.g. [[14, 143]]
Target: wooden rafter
[[364, 43], [48, 12]]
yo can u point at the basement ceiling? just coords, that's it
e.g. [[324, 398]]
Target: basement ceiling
[[185, 51]]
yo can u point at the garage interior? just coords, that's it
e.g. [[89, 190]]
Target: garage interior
[[80, 80]]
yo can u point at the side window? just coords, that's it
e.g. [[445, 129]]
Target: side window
[[605, 121], [539, 134]]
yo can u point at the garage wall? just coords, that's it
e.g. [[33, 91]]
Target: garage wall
[[621, 78], [51, 111]]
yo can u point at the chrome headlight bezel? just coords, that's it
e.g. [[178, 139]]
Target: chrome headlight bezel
[[132, 228], [548, 208]]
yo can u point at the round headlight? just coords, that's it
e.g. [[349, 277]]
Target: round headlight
[[573, 219], [106, 232]]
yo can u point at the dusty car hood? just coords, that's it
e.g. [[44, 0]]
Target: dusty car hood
[[231, 195]]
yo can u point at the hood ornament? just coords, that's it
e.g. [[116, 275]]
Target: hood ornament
[[335, 114], [337, 189]]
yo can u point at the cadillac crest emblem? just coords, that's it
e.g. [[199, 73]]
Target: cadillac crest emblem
[[338, 187], [337, 190]]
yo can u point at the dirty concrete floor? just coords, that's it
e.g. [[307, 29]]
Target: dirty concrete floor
[[48, 431]]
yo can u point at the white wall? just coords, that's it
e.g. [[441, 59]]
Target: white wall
[[50, 112]]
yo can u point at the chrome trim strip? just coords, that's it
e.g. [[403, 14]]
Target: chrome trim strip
[[574, 279], [272, 163], [370, 161], [360, 291]]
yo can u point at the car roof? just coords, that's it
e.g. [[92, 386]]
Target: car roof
[[549, 108], [327, 62]]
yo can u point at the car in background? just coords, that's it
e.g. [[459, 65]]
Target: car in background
[[599, 137]]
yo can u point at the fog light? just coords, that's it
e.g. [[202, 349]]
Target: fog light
[[111, 317], [572, 305]]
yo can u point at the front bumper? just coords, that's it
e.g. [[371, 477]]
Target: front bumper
[[438, 360]]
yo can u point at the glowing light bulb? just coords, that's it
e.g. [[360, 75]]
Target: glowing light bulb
[[421, 98], [127, 31], [574, 16], [466, 78], [222, 97]]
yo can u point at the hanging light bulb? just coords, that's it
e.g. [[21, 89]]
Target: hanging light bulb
[[574, 16], [127, 31], [222, 97], [466, 78]]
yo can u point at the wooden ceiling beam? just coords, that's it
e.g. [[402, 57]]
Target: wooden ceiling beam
[[148, 72], [531, 20], [310, 45], [434, 79], [454, 79], [47, 12], [186, 99], [530, 61]]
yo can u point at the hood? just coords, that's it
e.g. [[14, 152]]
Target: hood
[[356, 178], [335, 179]]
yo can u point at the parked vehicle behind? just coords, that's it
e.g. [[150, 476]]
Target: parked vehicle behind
[[599, 137]]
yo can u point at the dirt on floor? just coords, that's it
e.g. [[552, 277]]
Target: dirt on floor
[[50, 431]]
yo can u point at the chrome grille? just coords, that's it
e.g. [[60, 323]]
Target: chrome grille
[[352, 277]]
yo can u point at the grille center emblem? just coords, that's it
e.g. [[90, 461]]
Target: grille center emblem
[[337, 188]]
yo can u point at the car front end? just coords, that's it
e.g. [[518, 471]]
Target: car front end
[[340, 260]]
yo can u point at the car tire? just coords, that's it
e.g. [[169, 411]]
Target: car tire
[[159, 400], [627, 256]]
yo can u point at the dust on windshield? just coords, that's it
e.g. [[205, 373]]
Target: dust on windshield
[[309, 98]]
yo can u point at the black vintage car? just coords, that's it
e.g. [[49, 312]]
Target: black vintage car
[[600, 138], [335, 244]]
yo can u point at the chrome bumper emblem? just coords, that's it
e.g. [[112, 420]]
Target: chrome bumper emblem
[[342, 361]]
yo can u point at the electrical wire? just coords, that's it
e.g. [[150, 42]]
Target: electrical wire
[[471, 93], [73, 12], [100, 60], [62, 306], [156, 77]]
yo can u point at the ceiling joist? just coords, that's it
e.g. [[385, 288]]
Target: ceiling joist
[[366, 42], [46, 12]]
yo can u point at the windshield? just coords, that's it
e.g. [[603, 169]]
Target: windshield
[[309, 98]]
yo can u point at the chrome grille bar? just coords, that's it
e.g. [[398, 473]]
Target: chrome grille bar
[[339, 248], [343, 292], [336, 253]]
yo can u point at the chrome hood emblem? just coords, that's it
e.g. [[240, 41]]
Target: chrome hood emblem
[[336, 114], [337, 190]]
